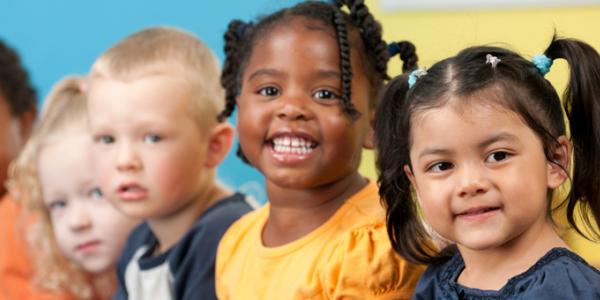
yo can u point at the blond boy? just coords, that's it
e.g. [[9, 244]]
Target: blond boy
[[153, 104]]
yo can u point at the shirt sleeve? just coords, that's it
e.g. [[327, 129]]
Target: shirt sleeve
[[364, 265]]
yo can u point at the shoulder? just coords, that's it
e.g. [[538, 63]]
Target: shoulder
[[364, 263], [241, 229], [204, 235], [225, 211], [560, 274], [436, 281]]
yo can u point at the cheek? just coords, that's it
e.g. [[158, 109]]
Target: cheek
[[63, 236]]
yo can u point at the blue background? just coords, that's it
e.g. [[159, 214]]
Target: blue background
[[63, 37]]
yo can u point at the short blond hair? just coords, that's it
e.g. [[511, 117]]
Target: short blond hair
[[65, 108], [159, 50]]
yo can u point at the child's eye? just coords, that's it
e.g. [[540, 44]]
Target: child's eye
[[497, 156], [325, 95], [104, 139], [269, 91], [57, 205], [95, 193], [152, 138], [440, 167]]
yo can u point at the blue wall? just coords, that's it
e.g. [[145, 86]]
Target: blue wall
[[62, 37]]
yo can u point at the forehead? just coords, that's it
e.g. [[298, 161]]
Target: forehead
[[463, 123]]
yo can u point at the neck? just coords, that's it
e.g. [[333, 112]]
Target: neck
[[105, 284], [490, 269], [170, 229], [313, 206]]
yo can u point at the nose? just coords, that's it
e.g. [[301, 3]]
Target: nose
[[127, 158], [293, 107], [473, 181], [78, 217]]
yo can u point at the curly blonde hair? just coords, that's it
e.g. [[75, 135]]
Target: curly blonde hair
[[64, 107]]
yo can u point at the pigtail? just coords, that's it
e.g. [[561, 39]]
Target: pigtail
[[371, 33], [341, 32], [229, 77], [407, 52], [406, 231], [582, 106]]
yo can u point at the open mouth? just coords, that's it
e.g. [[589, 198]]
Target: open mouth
[[292, 145], [131, 191]]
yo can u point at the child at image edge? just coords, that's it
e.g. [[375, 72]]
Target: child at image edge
[[481, 140], [305, 81], [153, 105], [75, 235]]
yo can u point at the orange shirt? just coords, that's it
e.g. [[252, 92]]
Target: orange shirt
[[16, 270]]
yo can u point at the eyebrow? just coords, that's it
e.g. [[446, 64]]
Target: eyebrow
[[264, 72], [502, 136], [273, 72]]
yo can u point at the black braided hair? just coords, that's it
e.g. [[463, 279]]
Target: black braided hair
[[240, 39], [407, 52]]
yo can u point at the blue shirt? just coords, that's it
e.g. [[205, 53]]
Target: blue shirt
[[559, 274], [186, 270]]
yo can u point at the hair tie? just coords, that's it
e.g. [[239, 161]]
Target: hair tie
[[414, 75], [492, 60], [542, 63], [393, 48], [243, 28]]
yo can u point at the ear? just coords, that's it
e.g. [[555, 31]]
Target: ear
[[26, 121], [369, 142], [561, 154], [411, 177], [219, 142]]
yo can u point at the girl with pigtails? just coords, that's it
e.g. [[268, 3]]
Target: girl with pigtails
[[305, 81], [477, 145]]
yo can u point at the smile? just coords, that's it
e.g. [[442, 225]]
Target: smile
[[292, 145], [479, 213]]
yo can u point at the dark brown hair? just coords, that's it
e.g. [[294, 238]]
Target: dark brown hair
[[522, 89]]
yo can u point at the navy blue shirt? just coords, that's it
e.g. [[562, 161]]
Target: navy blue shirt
[[559, 274], [186, 270]]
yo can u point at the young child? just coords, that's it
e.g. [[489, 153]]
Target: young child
[[154, 101], [75, 235], [305, 81], [481, 141]]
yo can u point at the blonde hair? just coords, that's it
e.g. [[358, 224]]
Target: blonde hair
[[160, 50], [64, 108]]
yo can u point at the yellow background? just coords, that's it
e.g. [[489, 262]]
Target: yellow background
[[439, 34]]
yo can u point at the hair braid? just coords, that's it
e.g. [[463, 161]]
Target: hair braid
[[230, 75], [407, 52], [345, 64]]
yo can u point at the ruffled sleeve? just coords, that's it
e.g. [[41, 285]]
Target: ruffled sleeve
[[364, 266]]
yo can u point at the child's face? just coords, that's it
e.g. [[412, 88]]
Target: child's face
[[148, 149], [480, 174], [290, 122], [88, 229]]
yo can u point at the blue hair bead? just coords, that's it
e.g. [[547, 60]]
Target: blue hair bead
[[414, 75], [542, 63]]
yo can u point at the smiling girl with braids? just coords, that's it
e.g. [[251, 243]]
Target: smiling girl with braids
[[305, 81]]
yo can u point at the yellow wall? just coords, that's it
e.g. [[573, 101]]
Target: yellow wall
[[439, 34]]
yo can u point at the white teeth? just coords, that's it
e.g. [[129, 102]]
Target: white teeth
[[294, 145]]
